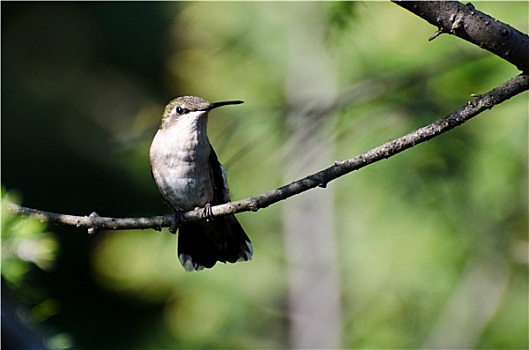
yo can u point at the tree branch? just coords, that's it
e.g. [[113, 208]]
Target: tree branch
[[474, 26], [94, 222]]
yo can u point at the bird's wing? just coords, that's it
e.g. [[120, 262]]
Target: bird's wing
[[221, 193]]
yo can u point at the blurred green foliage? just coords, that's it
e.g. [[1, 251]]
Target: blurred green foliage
[[438, 228], [25, 244]]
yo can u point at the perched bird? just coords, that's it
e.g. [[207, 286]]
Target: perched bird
[[189, 175]]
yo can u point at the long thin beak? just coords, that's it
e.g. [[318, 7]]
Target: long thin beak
[[223, 103]]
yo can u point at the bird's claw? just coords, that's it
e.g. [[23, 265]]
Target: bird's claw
[[208, 213], [175, 224]]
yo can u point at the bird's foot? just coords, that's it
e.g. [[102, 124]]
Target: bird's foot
[[208, 213], [176, 223]]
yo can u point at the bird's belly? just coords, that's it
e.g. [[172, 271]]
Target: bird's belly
[[180, 167], [185, 190]]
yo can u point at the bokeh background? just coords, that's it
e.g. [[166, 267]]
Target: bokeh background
[[426, 249]]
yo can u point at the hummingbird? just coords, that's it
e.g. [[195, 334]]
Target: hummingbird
[[189, 175]]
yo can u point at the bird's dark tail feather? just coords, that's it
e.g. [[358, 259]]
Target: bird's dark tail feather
[[202, 243]]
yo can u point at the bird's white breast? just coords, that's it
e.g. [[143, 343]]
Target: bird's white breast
[[179, 159]]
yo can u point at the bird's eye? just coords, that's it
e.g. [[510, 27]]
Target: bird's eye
[[179, 110]]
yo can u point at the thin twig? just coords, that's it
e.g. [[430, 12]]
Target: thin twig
[[483, 102]]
